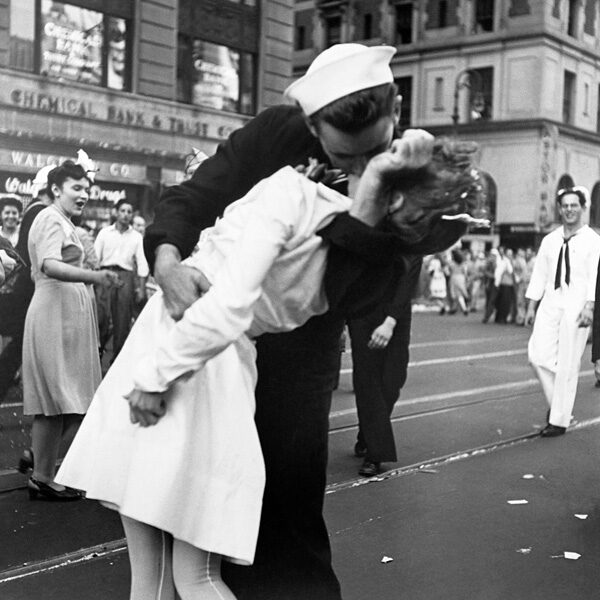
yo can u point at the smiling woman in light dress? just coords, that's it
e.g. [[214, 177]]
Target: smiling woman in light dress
[[61, 365]]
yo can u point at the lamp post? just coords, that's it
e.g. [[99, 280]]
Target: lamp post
[[467, 78]]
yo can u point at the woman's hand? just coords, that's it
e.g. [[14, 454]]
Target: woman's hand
[[146, 408], [106, 278], [412, 151]]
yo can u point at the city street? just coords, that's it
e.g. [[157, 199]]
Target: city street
[[478, 507]]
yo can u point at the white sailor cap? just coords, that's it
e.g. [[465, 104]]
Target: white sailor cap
[[341, 70], [41, 177]]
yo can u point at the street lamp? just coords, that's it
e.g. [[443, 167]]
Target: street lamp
[[468, 78]]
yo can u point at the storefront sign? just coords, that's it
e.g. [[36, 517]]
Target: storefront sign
[[119, 114], [106, 170]]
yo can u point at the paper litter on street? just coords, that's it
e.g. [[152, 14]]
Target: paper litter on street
[[518, 501], [387, 559]]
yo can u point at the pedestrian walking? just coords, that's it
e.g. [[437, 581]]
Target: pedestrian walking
[[61, 367], [562, 290], [119, 248], [379, 343], [193, 380], [459, 295], [438, 288], [490, 287], [504, 282]]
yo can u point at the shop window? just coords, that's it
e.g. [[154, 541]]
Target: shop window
[[404, 23], [405, 90], [216, 76], [73, 43], [484, 15], [568, 96]]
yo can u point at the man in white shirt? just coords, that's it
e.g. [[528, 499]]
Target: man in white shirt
[[120, 248], [562, 289]]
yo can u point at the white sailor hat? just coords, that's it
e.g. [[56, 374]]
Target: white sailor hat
[[341, 70], [41, 177]]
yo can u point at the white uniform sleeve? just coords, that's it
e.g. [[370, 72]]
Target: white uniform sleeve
[[140, 259], [539, 276], [225, 312]]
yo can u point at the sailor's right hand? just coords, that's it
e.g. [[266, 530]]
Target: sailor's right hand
[[181, 285]]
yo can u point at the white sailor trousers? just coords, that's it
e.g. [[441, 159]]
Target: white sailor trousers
[[555, 349]]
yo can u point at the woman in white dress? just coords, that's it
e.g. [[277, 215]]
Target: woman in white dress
[[169, 440]]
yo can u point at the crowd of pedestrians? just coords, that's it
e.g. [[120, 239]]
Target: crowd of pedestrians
[[491, 282]]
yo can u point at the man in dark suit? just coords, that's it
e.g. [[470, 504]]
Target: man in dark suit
[[348, 111], [596, 330], [380, 342]]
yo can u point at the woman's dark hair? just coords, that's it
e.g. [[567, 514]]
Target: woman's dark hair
[[66, 170], [571, 190], [448, 185], [361, 109], [11, 201]]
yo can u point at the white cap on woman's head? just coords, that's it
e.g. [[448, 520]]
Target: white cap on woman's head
[[341, 70], [41, 177]]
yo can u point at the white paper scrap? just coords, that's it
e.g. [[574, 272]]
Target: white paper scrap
[[386, 559], [518, 501], [582, 517], [528, 476], [572, 555], [524, 550]]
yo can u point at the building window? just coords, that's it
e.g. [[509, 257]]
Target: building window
[[484, 15], [586, 99], [404, 23], [368, 26], [405, 90], [72, 44], [443, 13], [333, 30], [481, 94], [215, 76], [438, 94], [21, 45], [572, 17], [300, 37], [568, 97]]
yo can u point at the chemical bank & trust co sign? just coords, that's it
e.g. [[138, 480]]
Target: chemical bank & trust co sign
[[123, 111]]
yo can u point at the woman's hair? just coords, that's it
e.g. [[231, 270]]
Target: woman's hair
[[361, 109], [66, 170], [11, 201], [448, 185]]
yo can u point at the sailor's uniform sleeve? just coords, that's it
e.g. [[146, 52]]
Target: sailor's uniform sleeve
[[539, 276]]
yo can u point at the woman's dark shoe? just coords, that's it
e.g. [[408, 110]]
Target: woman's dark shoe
[[26, 461], [46, 492], [369, 468]]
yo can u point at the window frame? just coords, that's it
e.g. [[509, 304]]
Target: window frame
[[188, 73], [117, 11]]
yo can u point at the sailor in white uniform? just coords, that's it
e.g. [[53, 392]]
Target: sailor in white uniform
[[562, 289]]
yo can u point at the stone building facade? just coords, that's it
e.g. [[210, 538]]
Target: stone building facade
[[135, 83], [520, 77]]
